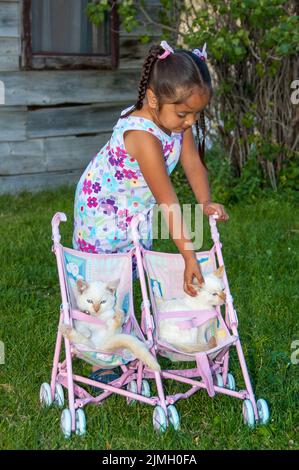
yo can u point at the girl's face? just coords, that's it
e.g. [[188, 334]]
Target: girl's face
[[178, 117]]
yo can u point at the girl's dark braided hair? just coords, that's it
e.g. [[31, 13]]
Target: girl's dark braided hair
[[201, 124], [151, 58], [171, 80]]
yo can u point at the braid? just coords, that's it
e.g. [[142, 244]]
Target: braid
[[201, 144], [147, 67], [146, 70]]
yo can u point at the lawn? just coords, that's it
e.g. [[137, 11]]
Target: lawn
[[260, 248]]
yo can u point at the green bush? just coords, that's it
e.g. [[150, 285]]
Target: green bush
[[253, 50]]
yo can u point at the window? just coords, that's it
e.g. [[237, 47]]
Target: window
[[58, 35]]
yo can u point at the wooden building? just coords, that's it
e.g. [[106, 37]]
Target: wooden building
[[63, 83]]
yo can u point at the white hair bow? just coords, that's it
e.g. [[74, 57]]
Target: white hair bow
[[167, 50], [202, 54]]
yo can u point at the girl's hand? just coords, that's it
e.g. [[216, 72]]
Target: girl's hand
[[211, 208], [192, 270]]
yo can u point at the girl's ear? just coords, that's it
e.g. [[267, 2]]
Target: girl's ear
[[151, 98], [219, 272], [111, 286], [82, 285]]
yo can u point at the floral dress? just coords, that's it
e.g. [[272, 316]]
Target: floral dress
[[112, 190]]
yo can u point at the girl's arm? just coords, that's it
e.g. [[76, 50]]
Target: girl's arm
[[147, 150], [197, 176], [195, 171]]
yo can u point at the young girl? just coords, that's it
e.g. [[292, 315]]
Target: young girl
[[130, 174]]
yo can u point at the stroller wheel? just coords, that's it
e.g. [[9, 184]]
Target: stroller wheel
[[174, 417], [219, 380], [80, 422], [132, 387], [159, 419], [145, 389], [248, 413], [45, 395], [59, 396], [66, 423], [263, 411], [231, 383]]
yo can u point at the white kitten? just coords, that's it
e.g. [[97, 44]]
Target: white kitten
[[98, 300], [209, 295]]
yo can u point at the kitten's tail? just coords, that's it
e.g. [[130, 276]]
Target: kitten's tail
[[135, 346]]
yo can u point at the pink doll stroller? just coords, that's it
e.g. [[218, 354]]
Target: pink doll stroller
[[73, 265], [165, 278]]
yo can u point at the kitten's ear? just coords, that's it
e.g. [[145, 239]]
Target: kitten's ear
[[219, 272], [111, 286], [81, 285]]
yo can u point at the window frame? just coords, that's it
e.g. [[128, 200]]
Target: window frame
[[52, 61]]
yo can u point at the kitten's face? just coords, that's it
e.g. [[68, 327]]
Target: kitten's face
[[96, 297], [213, 290]]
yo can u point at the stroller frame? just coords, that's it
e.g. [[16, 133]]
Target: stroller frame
[[135, 374], [73, 418], [214, 373]]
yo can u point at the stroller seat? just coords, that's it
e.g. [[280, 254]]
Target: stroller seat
[[166, 284], [81, 265]]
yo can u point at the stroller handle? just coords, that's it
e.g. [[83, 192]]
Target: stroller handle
[[214, 217], [57, 218], [213, 223]]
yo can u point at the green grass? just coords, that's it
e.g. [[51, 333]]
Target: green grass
[[260, 248]]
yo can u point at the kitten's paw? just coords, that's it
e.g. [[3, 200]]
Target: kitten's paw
[[212, 343], [69, 333], [118, 319], [65, 330]]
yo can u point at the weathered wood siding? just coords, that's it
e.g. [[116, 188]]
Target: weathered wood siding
[[9, 35], [50, 88], [38, 164], [53, 122]]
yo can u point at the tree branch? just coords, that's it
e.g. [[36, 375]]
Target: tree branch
[[156, 23]]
